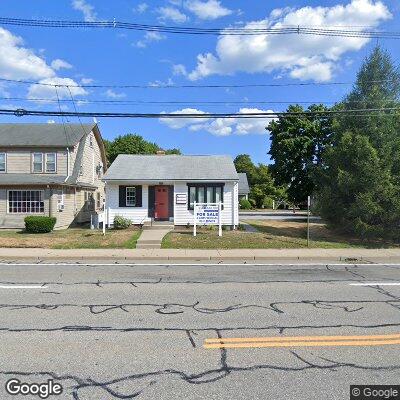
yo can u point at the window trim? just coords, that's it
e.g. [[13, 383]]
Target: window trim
[[33, 162], [26, 213], [126, 196], [55, 162], [5, 162], [206, 185]]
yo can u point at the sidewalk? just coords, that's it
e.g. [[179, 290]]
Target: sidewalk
[[240, 255]]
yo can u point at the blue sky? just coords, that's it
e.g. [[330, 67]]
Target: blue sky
[[128, 57]]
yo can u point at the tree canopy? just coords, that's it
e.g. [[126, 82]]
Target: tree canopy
[[132, 144]]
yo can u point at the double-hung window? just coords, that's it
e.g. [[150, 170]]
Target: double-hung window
[[205, 193], [37, 162], [130, 196], [3, 162], [25, 202], [51, 162]]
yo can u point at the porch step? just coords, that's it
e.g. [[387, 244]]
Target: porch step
[[158, 225]]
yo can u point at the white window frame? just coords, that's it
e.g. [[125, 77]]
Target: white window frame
[[24, 212], [5, 162], [33, 163], [60, 200], [130, 203], [55, 163]]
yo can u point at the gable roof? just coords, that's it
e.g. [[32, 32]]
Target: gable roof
[[243, 183], [171, 167], [42, 135]]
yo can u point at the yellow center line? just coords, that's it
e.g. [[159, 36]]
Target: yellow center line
[[301, 344], [302, 341]]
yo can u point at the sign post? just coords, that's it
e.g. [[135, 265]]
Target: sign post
[[219, 219], [195, 218]]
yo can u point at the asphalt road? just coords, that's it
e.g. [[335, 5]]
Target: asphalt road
[[138, 331]]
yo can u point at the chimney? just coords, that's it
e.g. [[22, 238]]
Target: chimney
[[160, 152]]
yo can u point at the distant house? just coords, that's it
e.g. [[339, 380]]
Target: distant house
[[244, 189], [50, 169], [165, 187]]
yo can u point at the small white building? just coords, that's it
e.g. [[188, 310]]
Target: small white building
[[164, 188]]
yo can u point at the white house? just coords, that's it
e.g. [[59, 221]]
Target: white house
[[164, 187]]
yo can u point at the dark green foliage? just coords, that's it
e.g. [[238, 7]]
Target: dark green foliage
[[121, 222], [132, 144], [358, 182], [297, 145], [39, 224], [261, 183], [245, 204]]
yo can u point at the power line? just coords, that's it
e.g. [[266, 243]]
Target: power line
[[230, 31], [167, 86], [353, 112], [173, 102]]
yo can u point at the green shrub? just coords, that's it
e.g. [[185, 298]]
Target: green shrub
[[268, 202], [241, 227], [121, 222], [245, 204], [39, 224]]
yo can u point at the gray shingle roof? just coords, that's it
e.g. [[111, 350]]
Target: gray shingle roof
[[243, 183], [39, 179], [39, 135], [171, 167]]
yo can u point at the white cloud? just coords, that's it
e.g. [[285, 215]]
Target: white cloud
[[148, 38], [210, 9], [86, 81], [303, 57], [141, 8], [18, 62], [114, 95], [87, 10], [179, 69], [172, 14], [58, 64], [220, 126], [49, 92], [178, 123], [51, 121]]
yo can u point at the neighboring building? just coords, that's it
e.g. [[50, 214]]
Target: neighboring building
[[165, 187], [244, 189], [50, 169]]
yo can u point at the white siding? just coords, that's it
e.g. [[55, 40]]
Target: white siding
[[138, 215], [183, 216]]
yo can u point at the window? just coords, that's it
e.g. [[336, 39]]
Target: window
[[89, 201], [25, 201], [98, 199], [60, 200], [3, 161], [205, 193], [130, 196], [50, 162], [37, 160]]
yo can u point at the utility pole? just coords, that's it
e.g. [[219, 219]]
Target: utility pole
[[308, 220]]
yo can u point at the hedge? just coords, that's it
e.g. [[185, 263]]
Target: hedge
[[39, 224], [121, 222], [245, 204]]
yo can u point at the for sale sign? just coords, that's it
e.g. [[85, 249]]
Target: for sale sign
[[207, 214]]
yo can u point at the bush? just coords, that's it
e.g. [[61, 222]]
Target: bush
[[39, 224], [121, 222], [245, 204], [241, 227], [268, 202]]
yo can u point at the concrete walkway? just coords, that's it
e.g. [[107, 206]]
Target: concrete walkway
[[281, 256], [151, 238]]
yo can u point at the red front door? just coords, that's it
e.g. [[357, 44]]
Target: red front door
[[161, 200]]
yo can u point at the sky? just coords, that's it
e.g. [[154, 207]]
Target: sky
[[118, 57]]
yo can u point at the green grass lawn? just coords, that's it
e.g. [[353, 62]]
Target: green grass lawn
[[73, 238], [273, 234]]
